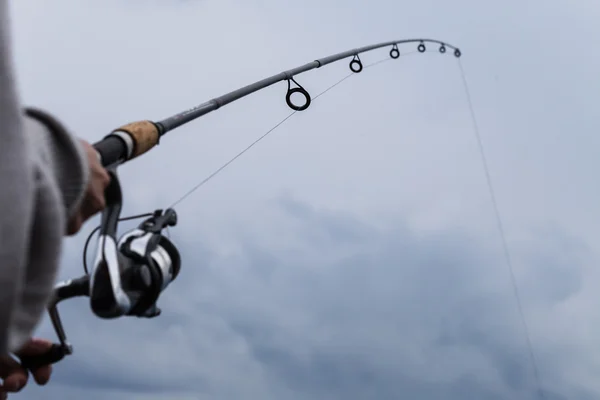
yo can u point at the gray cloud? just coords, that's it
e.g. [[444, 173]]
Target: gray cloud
[[402, 291], [369, 312]]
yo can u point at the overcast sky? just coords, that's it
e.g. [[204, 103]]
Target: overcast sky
[[353, 254]]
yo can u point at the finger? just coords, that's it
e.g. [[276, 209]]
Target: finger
[[14, 382], [97, 201], [34, 347], [13, 375], [92, 206], [104, 177], [100, 181], [42, 375], [74, 224]]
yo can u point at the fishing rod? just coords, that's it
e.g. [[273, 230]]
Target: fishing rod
[[130, 273], [134, 139]]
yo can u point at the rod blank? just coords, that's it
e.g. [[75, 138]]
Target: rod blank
[[136, 138], [182, 118]]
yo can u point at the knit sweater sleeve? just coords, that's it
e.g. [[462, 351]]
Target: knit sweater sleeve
[[43, 175]]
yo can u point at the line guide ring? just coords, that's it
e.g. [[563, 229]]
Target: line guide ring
[[302, 91]]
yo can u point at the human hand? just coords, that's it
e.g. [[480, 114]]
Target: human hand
[[93, 200], [14, 376]]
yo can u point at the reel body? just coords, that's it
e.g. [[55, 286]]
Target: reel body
[[128, 274]]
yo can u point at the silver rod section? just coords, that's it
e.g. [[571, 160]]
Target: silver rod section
[[177, 120]]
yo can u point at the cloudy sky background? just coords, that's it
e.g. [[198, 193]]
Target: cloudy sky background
[[353, 254]]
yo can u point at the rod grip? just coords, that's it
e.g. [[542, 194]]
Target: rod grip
[[145, 136], [127, 142]]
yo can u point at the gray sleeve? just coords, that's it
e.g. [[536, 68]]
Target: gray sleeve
[[43, 175], [59, 178], [57, 150]]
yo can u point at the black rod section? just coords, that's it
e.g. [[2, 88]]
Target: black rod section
[[184, 117]]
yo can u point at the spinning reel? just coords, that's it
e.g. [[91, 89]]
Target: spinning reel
[[127, 277]]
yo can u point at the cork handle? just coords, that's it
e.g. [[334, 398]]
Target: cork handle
[[145, 136]]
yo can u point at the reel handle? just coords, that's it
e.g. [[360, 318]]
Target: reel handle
[[56, 353], [62, 291]]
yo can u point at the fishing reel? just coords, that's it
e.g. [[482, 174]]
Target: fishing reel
[[128, 274]]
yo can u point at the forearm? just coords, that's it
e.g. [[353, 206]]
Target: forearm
[[16, 206], [43, 175], [60, 152], [59, 178], [17, 190]]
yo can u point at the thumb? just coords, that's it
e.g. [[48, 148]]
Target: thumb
[[34, 347]]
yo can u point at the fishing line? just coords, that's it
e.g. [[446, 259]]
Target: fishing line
[[225, 165], [137, 267], [500, 225], [489, 183], [238, 155], [162, 259]]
